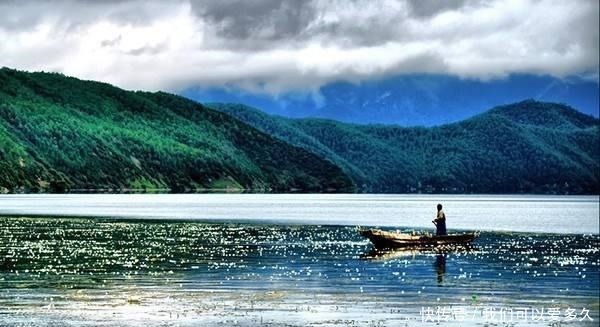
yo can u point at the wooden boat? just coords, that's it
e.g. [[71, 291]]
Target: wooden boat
[[389, 240]]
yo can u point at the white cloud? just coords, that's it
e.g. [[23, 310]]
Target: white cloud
[[277, 46]]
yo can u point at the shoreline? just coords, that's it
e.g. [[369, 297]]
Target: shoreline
[[104, 191]]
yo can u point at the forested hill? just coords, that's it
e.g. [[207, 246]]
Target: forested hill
[[59, 133], [526, 147]]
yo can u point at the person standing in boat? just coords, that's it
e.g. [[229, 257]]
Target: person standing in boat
[[440, 221]]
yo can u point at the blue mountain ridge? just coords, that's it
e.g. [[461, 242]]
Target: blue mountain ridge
[[412, 100]]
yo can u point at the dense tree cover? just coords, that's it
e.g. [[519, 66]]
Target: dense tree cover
[[59, 133], [526, 147]]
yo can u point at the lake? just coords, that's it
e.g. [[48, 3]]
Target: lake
[[294, 260], [528, 213]]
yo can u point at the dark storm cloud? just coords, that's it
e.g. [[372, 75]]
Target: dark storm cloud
[[266, 19], [428, 8], [267, 22], [264, 22]]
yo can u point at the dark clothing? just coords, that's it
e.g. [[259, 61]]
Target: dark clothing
[[441, 228], [440, 223]]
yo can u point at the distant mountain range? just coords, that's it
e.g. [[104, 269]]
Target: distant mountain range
[[59, 133], [526, 147], [412, 100]]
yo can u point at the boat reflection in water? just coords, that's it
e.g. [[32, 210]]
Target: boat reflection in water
[[440, 267], [440, 253]]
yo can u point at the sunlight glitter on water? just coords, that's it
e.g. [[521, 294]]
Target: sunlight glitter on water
[[102, 272]]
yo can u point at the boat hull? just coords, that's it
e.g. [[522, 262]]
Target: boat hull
[[390, 240]]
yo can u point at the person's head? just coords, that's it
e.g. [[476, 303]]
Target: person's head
[[439, 207]]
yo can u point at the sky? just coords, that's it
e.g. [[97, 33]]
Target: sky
[[274, 47]]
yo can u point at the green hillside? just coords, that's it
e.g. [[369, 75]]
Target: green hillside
[[530, 147], [59, 133]]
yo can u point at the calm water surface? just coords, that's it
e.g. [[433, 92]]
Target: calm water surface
[[156, 272], [552, 214]]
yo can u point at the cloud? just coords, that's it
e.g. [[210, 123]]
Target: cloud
[[258, 19], [276, 46], [428, 8]]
